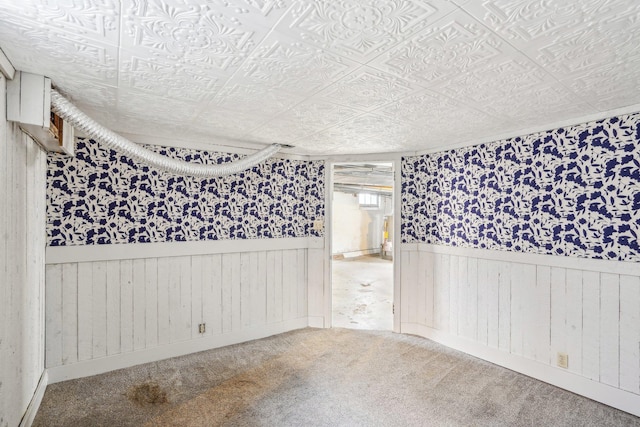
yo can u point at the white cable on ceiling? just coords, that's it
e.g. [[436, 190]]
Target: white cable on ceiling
[[86, 124]]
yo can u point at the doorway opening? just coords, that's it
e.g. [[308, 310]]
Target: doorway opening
[[362, 246]]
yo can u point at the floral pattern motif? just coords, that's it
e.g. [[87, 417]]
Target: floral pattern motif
[[571, 191], [103, 197]]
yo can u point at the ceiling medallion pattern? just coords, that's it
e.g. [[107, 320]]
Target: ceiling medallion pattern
[[332, 77]]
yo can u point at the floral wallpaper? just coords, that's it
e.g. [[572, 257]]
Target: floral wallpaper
[[102, 197], [571, 191]]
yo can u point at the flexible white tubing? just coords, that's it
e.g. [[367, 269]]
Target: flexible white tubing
[[86, 124]]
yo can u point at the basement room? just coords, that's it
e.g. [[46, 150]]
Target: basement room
[[319, 213]]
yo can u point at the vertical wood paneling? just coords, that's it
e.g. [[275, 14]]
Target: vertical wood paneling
[[186, 296], [574, 320], [54, 315], [271, 287], [113, 307], [164, 327], [290, 287], [541, 314], [609, 328], [558, 314], [483, 302], [518, 288], [99, 309], [151, 302], [278, 286], [236, 293], [493, 303], [196, 295], [529, 308], [315, 278], [24, 320], [126, 306], [301, 283], [454, 272], [260, 312], [85, 311], [441, 290], [590, 325], [139, 303], [470, 297], [213, 294], [427, 263], [417, 302], [175, 315], [406, 286], [630, 333], [69, 310], [246, 278], [227, 283], [504, 306]]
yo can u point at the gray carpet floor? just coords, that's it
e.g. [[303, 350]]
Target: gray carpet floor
[[321, 377]]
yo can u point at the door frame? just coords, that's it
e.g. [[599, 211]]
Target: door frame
[[396, 161]]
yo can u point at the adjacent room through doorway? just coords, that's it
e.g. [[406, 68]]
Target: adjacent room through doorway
[[362, 243]]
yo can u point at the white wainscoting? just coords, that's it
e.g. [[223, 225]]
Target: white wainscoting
[[22, 239], [520, 310], [106, 313]]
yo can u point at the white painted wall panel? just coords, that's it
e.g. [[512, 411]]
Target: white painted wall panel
[[163, 300], [22, 275], [531, 310], [630, 333], [609, 328], [590, 325]]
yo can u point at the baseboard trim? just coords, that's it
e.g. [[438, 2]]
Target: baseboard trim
[[36, 400], [620, 399], [111, 363], [316, 322]]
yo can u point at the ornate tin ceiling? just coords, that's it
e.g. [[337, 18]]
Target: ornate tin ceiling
[[331, 77]]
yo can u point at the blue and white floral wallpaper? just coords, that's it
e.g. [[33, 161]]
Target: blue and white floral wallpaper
[[572, 191], [103, 197]]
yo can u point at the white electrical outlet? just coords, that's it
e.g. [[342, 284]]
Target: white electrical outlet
[[563, 360], [201, 328]]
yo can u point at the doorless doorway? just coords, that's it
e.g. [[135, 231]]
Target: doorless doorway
[[362, 242]]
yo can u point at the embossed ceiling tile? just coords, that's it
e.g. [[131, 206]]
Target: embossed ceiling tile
[[49, 51], [156, 108], [305, 119], [453, 45], [360, 30], [95, 20], [611, 86], [367, 133], [432, 109], [169, 79], [255, 99], [218, 33], [86, 94], [222, 121], [565, 36], [318, 114], [490, 87], [367, 89], [290, 65]]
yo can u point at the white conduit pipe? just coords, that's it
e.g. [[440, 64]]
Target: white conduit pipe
[[86, 124]]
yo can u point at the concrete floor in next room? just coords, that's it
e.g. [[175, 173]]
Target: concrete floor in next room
[[363, 293]]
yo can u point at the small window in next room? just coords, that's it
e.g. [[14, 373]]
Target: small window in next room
[[367, 200]]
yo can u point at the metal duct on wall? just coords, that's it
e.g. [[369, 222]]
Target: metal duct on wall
[[81, 121]]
